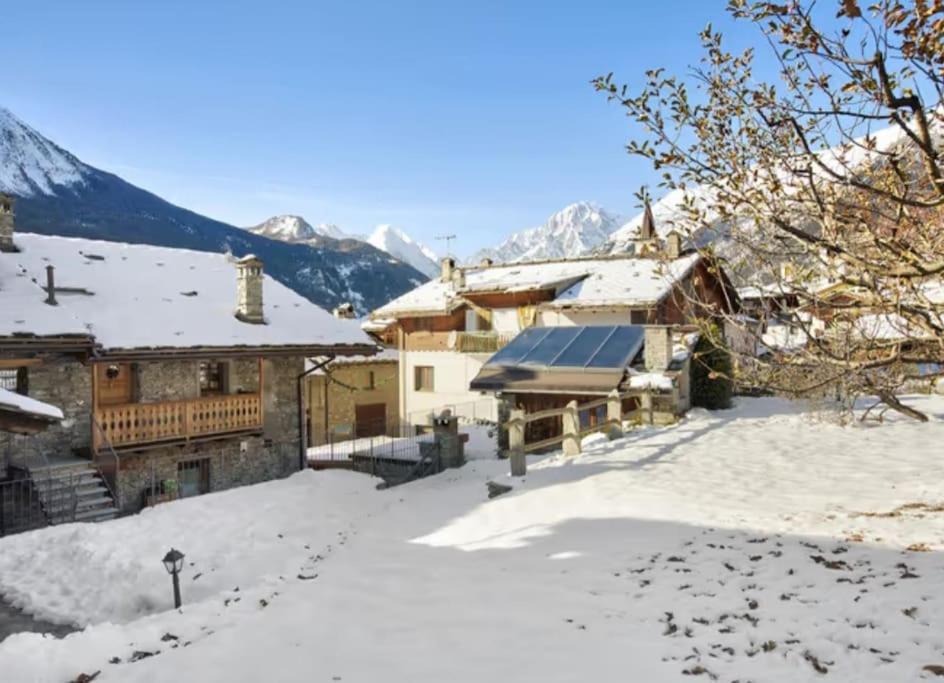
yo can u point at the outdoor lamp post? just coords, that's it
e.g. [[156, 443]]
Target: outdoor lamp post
[[173, 563]]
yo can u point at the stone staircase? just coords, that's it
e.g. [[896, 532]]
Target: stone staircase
[[72, 493]]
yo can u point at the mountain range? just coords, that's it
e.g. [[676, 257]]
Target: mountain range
[[57, 194], [386, 238], [575, 230]]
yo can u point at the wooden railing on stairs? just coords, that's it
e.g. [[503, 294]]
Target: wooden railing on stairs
[[140, 423]]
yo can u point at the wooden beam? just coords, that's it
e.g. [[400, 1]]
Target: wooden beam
[[9, 363]]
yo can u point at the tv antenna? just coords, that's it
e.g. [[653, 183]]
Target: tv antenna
[[447, 239]]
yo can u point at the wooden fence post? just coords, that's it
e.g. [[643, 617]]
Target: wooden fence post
[[519, 462], [614, 415], [571, 425]]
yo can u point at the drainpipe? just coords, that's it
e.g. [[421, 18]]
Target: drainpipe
[[302, 434]]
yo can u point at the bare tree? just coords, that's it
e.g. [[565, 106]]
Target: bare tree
[[824, 191]]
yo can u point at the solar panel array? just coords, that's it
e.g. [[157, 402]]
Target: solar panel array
[[599, 347]]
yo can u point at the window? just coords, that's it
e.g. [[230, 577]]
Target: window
[[423, 378], [14, 379], [212, 378], [424, 324], [193, 477], [371, 382]]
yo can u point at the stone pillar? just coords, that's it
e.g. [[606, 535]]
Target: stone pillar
[[446, 433], [571, 424], [614, 415], [645, 407], [249, 279], [519, 462], [7, 222], [657, 351]]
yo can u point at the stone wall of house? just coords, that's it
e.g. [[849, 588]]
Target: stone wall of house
[[170, 380], [235, 461], [231, 463], [351, 389], [66, 384]]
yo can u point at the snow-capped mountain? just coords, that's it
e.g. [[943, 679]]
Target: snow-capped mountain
[[30, 164], [57, 194], [576, 230], [403, 247], [386, 238], [296, 229]]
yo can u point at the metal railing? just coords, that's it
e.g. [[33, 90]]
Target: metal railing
[[108, 474]]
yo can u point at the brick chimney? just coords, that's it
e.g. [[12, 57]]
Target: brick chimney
[[249, 278], [447, 265], [7, 223], [657, 351]]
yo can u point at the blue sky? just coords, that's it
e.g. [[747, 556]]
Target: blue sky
[[473, 118]]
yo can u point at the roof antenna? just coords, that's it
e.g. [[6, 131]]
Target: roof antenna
[[447, 239]]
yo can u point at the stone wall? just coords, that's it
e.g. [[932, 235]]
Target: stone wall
[[350, 390], [66, 384], [231, 463], [234, 461], [173, 380]]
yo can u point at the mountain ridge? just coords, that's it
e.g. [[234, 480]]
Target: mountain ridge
[[58, 194]]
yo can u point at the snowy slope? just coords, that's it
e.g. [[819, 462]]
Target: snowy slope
[[573, 231], [290, 228], [760, 543], [403, 247], [30, 164]]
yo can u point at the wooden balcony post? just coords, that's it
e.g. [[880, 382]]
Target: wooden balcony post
[[571, 428]]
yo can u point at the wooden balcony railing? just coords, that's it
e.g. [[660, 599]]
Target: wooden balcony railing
[[463, 342], [140, 423]]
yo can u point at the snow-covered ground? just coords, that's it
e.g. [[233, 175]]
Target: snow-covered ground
[[758, 544]]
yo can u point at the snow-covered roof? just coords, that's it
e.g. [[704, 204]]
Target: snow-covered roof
[[586, 282], [12, 401], [382, 356], [136, 296]]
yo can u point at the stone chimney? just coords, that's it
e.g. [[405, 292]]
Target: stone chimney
[[7, 222], [249, 290], [344, 311], [647, 230], [673, 245], [447, 265], [657, 351], [458, 278], [486, 262]]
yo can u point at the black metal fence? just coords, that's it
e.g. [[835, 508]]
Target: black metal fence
[[394, 451], [31, 503]]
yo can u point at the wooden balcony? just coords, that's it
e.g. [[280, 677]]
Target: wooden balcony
[[134, 424], [463, 342]]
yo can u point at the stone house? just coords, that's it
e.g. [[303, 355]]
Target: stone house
[[354, 397], [177, 372]]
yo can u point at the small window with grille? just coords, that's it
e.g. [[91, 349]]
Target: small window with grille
[[14, 379]]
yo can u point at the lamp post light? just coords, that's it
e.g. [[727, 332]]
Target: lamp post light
[[173, 563]]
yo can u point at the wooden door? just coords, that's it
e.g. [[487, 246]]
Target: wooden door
[[370, 419], [115, 383]]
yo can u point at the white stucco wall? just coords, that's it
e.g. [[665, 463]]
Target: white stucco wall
[[568, 318], [505, 320], [452, 372]]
